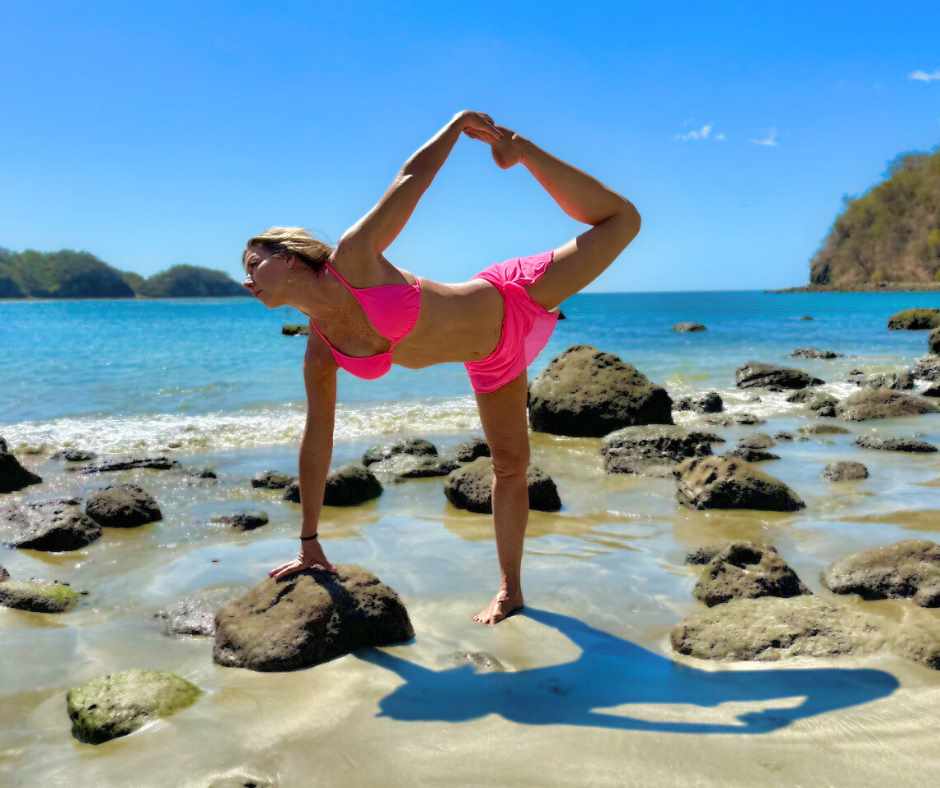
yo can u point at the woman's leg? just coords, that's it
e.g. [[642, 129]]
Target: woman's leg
[[503, 415]]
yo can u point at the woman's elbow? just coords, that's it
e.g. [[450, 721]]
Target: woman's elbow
[[629, 218]]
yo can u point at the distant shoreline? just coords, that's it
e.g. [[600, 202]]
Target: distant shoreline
[[887, 287]]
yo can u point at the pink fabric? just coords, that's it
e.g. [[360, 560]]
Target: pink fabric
[[527, 325], [392, 310]]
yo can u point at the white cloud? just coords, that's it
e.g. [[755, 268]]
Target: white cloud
[[925, 76], [769, 141], [703, 133], [720, 137]]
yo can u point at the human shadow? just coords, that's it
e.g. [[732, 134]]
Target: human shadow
[[611, 672]]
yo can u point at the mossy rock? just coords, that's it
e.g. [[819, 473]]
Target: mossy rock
[[37, 596], [915, 320]]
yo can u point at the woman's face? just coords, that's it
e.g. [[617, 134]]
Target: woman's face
[[266, 276]]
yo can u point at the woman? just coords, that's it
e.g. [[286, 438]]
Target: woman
[[366, 314]]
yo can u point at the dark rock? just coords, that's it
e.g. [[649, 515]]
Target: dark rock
[[349, 485], [469, 450], [820, 402], [783, 436], [770, 629], [160, 463], [933, 341], [806, 317], [723, 483], [243, 521], [845, 472], [719, 420], [652, 450], [3, 445], [751, 455], [195, 614], [756, 440], [894, 444], [811, 352], [203, 473], [702, 555], [4, 575], [744, 570], [882, 404], [14, 476], [686, 328], [122, 506], [584, 392], [272, 480], [823, 429], [931, 391], [907, 569], [915, 320], [414, 446], [295, 329], [409, 466], [74, 455], [120, 703], [755, 374], [38, 596], [470, 488], [51, 526], [927, 368], [309, 618], [704, 403], [747, 419]]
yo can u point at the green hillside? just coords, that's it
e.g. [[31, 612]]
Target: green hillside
[[182, 281]]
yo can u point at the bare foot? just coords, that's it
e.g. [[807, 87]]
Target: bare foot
[[503, 605]]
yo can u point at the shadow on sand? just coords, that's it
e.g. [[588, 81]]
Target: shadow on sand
[[611, 672]]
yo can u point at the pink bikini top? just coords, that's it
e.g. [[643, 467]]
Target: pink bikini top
[[392, 310]]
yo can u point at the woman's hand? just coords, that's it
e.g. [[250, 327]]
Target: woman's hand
[[311, 556], [478, 125], [507, 150]]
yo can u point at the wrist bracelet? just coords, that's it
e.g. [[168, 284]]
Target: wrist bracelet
[[305, 538]]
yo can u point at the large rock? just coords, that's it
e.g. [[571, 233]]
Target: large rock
[[272, 480], [754, 374], [748, 454], [820, 402], [756, 440], [349, 485], [160, 463], [927, 368], [469, 450], [470, 488], [243, 521], [898, 381], [38, 596], [915, 320], [195, 614], [723, 483], [52, 526], [652, 450], [14, 476], [414, 446], [122, 506], [744, 570], [309, 618], [907, 569], [585, 392], [882, 404], [895, 444], [408, 466], [845, 471], [709, 402], [120, 703], [811, 352], [688, 328], [770, 629]]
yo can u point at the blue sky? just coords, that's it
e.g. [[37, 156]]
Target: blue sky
[[171, 132]]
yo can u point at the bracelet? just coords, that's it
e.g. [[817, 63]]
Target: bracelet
[[306, 538]]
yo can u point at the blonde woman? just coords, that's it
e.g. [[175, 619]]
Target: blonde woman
[[367, 314]]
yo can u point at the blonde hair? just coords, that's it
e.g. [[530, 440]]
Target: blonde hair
[[293, 241]]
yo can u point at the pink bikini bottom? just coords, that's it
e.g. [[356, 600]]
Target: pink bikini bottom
[[527, 325]]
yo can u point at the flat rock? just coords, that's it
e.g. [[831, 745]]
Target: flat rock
[[811, 352], [688, 328], [652, 450], [882, 404], [122, 506], [120, 703], [272, 480], [14, 476], [349, 485], [769, 629], [823, 429], [585, 392], [38, 596], [413, 446], [307, 619], [915, 320], [723, 483], [195, 614], [408, 466], [845, 471], [747, 419], [470, 488], [897, 381], [756, 440], [907, 569], [895, 444], [243, 521], [160, 463], [709, 402], [755, 374], [745, 570], [52, 526], [74, 455]]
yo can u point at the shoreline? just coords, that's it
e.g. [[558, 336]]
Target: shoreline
[[887, 287]]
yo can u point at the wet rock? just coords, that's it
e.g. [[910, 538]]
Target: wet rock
[[931, 391], [882, 404], [38, 596], [74, 455], [927, 368], [14, 476], [307, 619], [907, 569], [469, 450], [295, 329], [470, 488], [897, 381], [915, 320], [414, 446], [748, 454], [52, 526], [120, 703], [702, 555], [686, 328], [770, 629], [710, 402], [813, 399], [723, 483], [755, 374], [744, 570], [811, 352], [918, 638], [349, 485], [584, 392], [407, 466], [933, 341], [756, 440], [122, 506], [203, 473], [747, 419], [160, 463], [721, 420], [243, 521], [895, 444], [783, 436], [845, 472], [272, 480], [652, 450], [823, 429], [195, 614]]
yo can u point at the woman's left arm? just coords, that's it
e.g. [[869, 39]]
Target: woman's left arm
[[380, 226]]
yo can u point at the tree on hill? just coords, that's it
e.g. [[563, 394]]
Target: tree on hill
[[189, 280], [63, 274]]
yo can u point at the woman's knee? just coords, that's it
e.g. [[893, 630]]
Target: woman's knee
[[511, 462]]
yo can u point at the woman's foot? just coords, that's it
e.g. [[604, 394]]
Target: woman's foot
[[504, 604]]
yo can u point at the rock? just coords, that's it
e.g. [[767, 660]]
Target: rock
[[702, 555], [203, 473], [931, 391], [806, 317], [160, 463], [755, 374], [414, 446], [4, 575], [933, 341], [747, 419], [74, 455], [894, 444], [756, 440], [51, 526], [719, 420], [915, 320], [307, 619], [195, 614], [243, 521], [122, 506], [704, 403], [470, 488], [823, 429], [927, 368], [783, 436], [408, 466], [811, 352], [38, 596], [272, 480], [587, 393], [770, 629], [469, 450], [652, 450], [685, 328], [349, 485], [845, 472], [898, 381], [723, 483], [120, 703], [882, 404], [295, 329], [14, 476], [907, 569], [3, 445], [751, 455], [918, 638], [744, 570]]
